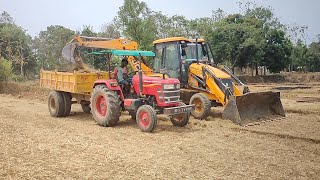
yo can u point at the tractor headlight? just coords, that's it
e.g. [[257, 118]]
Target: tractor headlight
[[178, 86], [168, 86]]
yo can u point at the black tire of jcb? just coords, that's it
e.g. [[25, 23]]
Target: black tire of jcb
[[67, 103], [59, 103], [206, 108], [113, 106], [184, 121], [153, 118], [86, 107]]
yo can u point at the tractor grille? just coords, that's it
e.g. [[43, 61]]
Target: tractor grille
[[170, 95]]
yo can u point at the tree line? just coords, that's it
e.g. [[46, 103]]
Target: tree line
[[254, 38]]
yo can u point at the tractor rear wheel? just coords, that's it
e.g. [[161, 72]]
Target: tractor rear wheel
[[85, 107], [67, 103], [202, 106], [56, 104], [180, 119], [105, 105], [146, 118]]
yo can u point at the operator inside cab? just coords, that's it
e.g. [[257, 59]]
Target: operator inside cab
[[121, 73]]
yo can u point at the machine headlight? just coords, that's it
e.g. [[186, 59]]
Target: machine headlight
[[168, 86], [178, 86]]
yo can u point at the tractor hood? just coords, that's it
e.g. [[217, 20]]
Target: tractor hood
[[194, 67], [155, 80]]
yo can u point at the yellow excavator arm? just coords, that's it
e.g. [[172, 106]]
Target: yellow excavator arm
[[69, 54]]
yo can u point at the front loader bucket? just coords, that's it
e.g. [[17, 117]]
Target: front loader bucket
[[253, 107]]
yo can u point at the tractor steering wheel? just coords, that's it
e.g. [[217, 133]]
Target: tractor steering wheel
[[131, 74]]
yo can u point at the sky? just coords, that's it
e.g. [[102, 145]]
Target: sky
[[36, 15]]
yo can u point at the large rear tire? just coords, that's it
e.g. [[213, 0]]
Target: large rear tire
[[202, 106], [146, 118], [105, 105], [56, 104], [180, 120], [67, 103]]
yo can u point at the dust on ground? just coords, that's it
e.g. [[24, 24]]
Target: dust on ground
[[35, 145]]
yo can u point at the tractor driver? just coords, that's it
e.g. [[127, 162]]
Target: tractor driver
[[121, 73]]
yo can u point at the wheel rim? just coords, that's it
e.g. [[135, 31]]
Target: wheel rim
[[52, 104], [198, 104], [101, 106], [144, 119], [178, 118]]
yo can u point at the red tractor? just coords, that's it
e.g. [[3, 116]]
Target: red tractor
[[149, 96]]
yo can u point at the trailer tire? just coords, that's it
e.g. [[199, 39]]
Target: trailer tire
[[146, 118], [56, 104], [67, 103], [202, 106], [85, 107], [105, 105], [180, 120]]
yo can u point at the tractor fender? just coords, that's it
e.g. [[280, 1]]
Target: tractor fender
[[112, 85]]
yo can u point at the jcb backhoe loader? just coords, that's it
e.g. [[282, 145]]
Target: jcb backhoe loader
[[205, 85]]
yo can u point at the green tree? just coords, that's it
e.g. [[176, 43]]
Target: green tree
[[277, 51], [313, 57], [135, 21], [15, 44], [298, 56], [6, 69]]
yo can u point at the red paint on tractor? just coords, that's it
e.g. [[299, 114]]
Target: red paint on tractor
[[101, 106], [144, 119], [114, 87], [151, 86]]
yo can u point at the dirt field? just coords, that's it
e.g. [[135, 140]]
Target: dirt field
[[35, 145]]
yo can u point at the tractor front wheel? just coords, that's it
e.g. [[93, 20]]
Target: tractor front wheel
[[180, 119], [146, 118], [105, 106], [202, 106]]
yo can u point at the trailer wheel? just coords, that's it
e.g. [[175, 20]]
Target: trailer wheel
[[180, 119], [202, 106], [56, 104], [85, 107], [67, 103], [105, 105], [146, 118]]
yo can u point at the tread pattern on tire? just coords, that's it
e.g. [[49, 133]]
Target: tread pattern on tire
[[59, 104], [207, 106], [86, 107], [113, 108], [153, 117], [67, 103]]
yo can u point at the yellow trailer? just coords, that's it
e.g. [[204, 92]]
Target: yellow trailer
[[66, 86]]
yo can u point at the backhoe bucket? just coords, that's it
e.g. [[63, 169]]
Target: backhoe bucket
[[253, 107], [68, 52]]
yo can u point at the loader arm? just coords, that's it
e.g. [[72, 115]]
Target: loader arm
[[208, 80]]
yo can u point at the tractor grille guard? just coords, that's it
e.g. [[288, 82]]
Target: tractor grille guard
[[171, 95]]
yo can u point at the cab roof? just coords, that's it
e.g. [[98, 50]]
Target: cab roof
[[174, 39]]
